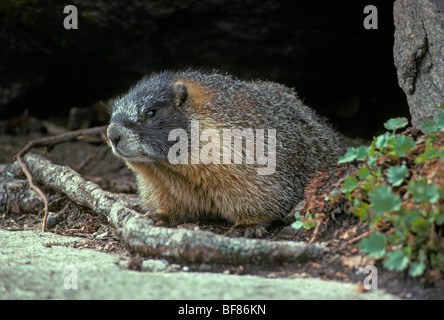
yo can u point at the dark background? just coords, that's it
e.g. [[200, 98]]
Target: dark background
[[320, 48]]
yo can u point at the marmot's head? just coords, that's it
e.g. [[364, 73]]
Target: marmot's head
[[142, 119]]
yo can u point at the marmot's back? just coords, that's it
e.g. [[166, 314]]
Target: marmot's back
[[153, 129]]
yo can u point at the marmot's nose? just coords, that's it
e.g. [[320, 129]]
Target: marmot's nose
[[114, 134]]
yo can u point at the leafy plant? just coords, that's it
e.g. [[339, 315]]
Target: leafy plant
[[350, 184], [307, 221], [396, 260], [397, 175], [375, 245], [384, 200], [400, 182]]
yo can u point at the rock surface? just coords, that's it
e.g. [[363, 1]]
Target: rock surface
[[36, 265], [419, 55]]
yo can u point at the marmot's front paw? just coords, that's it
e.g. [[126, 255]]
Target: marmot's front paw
[[164, 218], [248, 231]]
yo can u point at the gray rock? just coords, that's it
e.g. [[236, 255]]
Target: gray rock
[[155, 265], [419, 56], [36, 265]]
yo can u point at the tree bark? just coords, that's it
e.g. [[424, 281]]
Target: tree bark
[[141, 236], [16, 197]]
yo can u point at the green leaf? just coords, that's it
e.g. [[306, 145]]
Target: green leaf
[[383, 200], [429, 127], [308, 225], [396, 123], [371, 181], [439, 121], [421, 158], [421, 227], [350, 184], [334, 193], [307, 222], [362, 153], [440, 219], [411, 215], [422, 192], [429, 153], [403, 144], [297, 224], [432, 153], [396, 238], [349, 156], [417, 269], [375, 245], [437, 259], [396, 260], [371, 161], [384, 140], [363, 172], [396, 175], [360, 210]]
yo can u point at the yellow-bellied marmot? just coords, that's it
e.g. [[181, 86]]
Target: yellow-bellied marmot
[[170, 129]]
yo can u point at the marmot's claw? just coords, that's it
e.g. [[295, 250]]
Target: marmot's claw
[[161, 223], [167, 223], [162, 219], [248, 231]]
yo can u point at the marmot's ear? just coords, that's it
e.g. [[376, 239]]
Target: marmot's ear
[[180, 93]]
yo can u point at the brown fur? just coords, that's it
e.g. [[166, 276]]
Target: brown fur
[[235, 192]]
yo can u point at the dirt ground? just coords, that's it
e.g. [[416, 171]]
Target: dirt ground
[[93, 160]]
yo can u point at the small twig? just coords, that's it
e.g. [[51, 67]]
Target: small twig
[[361, 236], [64, 137], [84, 243], [315, 232], [63, 210], [35, 188], [140, 235], [52, 141]]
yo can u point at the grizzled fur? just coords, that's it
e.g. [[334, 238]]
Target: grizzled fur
[[188, 192]]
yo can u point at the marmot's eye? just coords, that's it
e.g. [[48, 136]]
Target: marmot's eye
[[149, 114]]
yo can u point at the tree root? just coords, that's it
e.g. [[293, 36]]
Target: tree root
[[142, 237], [50, 142]]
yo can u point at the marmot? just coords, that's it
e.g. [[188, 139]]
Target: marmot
[[141, 133]]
